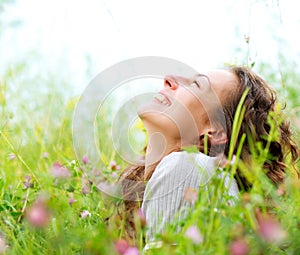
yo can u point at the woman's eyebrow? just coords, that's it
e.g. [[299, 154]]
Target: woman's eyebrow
[[201, 75]]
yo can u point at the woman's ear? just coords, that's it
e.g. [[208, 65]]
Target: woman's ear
[[217, 137]]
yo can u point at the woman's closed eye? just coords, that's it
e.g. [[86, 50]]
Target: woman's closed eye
[[198, 84], [202, 81]]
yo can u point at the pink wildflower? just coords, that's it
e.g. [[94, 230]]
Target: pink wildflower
[[85, 159], [194, 234], [269, 228], [27, 182], [45, 155], [121, 246], [12, 156], [86, 186], [38, 215], [114, 175], [113, 165], [281, 190], [132, 251], [71, 201], [59, 171], [271, 231], [85, 213], [239, 247], [142, 217], [85, 189]]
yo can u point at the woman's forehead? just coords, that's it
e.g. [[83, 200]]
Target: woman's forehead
[[222, 79], [220, 75]]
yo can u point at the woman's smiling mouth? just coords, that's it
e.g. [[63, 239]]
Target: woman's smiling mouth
[[162, 98]]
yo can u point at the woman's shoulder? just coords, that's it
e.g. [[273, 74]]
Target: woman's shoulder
[[184, 159], [180, 165]]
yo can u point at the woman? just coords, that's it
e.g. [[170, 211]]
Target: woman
[[199, 111]]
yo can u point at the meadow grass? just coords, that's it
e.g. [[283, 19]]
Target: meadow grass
[[49, 205]]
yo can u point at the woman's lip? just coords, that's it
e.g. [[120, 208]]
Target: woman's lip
[[157, 100], [166, 97], [161, 99]]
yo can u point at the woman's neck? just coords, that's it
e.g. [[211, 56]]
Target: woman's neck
[[158, 147]]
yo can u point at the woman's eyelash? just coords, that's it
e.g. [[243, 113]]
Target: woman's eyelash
[[197, 83]]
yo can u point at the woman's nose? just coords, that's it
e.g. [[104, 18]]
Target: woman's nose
[[170, 82]]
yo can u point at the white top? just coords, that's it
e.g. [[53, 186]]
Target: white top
[[163, 198]]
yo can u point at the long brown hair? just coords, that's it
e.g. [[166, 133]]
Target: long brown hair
[[260, 101]]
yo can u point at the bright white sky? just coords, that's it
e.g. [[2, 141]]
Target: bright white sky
[[68, 34]]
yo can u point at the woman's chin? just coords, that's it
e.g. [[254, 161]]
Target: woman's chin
[[151, 108]]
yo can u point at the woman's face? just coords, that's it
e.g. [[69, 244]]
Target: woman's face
[[184, 109]]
